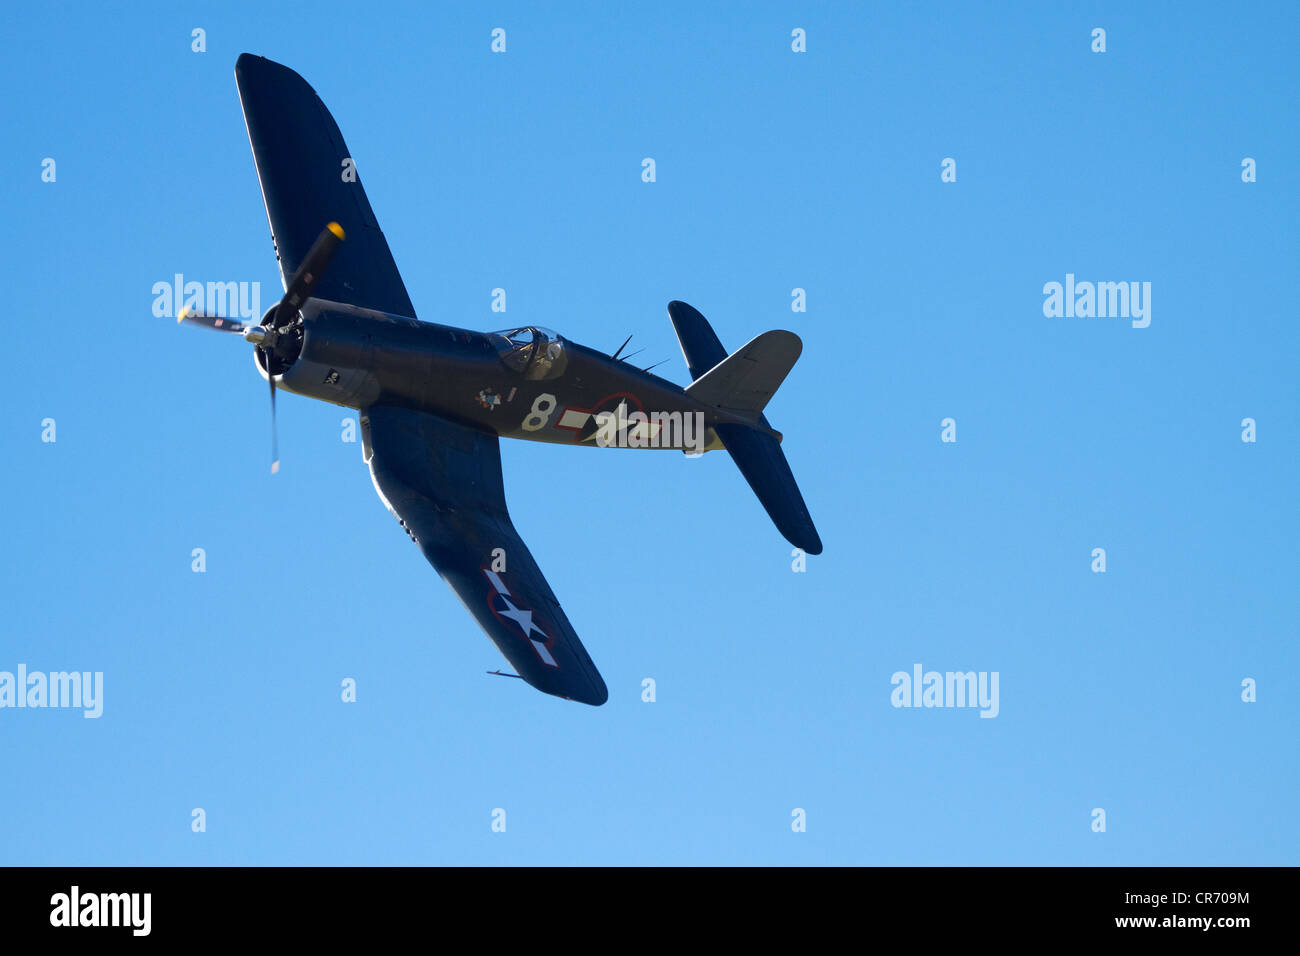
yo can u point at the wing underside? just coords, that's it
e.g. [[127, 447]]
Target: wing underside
[[309, 179], [443, 483]]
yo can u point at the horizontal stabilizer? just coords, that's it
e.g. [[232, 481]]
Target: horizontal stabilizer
[[746, 380], [761, 461]]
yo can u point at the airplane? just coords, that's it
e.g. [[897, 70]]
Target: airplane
[[435, 400]]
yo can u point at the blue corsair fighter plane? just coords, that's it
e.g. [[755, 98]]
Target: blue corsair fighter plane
[[434, 400]]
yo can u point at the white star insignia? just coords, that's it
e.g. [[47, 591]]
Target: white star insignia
[[521, 617]]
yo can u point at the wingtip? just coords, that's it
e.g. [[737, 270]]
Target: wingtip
[[251, 68], [597, 693]]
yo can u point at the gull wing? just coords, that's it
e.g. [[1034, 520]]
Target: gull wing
[[442, 481], [307, 181]]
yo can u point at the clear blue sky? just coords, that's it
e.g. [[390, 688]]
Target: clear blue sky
[[775, 170]]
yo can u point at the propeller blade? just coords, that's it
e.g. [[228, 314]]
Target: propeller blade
[[217, 322], [275, 440], [313, 266]]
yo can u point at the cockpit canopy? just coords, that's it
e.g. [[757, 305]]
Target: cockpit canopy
[[534, 352]]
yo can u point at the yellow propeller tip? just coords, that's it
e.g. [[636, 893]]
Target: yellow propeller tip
[[275, 467], [335, 228], [180, 317]]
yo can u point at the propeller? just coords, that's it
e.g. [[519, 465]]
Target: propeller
[[267, 335]]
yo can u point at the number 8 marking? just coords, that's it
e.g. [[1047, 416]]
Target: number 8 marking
[[541, 415]]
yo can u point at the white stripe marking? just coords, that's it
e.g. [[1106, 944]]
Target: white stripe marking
[[572, 418], [544, 653]]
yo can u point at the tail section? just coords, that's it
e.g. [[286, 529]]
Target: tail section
[[743, 383]]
